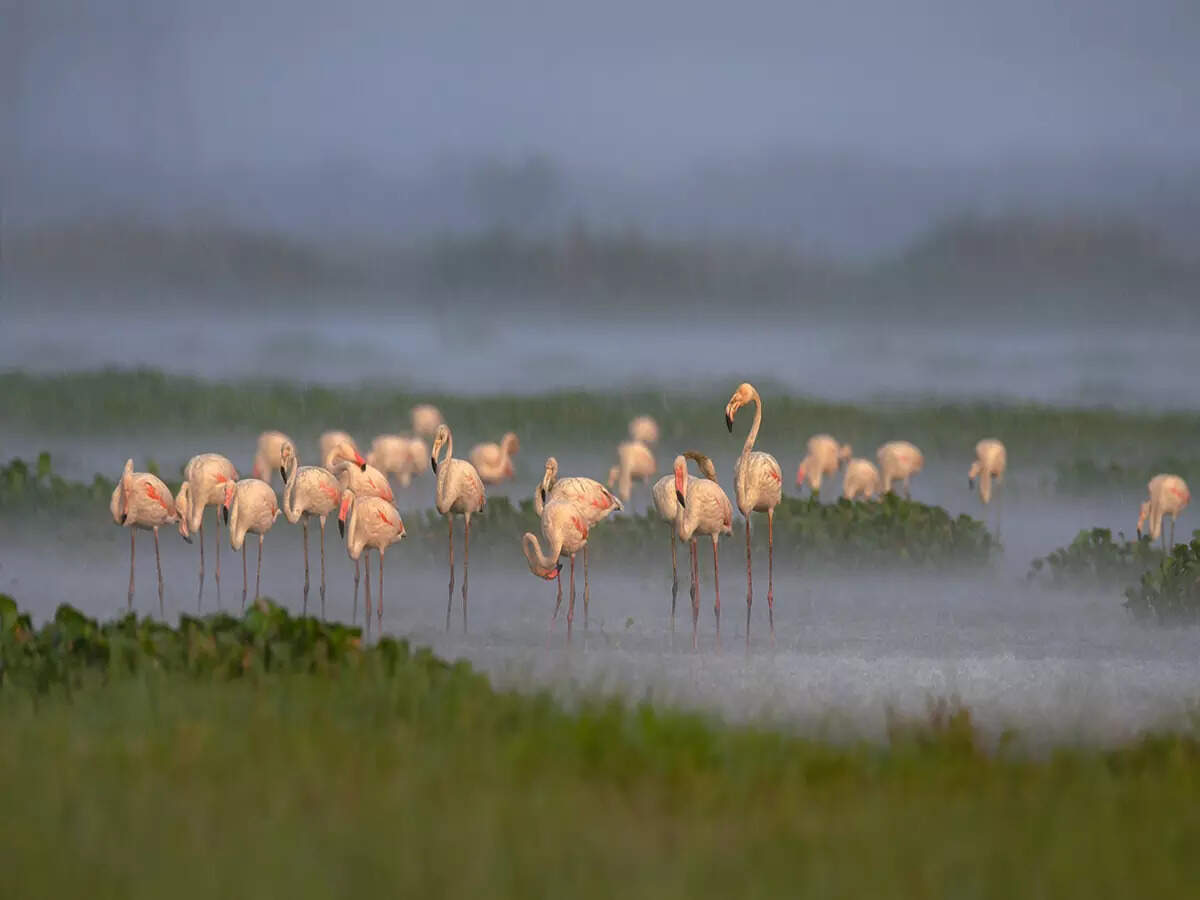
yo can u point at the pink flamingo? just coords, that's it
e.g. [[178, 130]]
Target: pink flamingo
[[663, 493], [308, 491], [899, 461], [635, 462], [1168, 496], [204, 480], [368, 522], [825, 457], [425, 420], [459, 493], [758, 484], [493, 462], [399, 455], [861, 480], [142, 500], [701, 507], [250, 507], [268, 455], [341, 449], [566, 533], [364, 481]]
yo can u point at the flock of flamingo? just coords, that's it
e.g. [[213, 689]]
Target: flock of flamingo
[[359, 490]]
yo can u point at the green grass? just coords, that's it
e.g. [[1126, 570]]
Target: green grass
[[1094, 559], [394, 773]]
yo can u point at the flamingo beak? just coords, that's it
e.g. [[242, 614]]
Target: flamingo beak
[[971, 483], [362, 463], [225, 514], [433, 462], [186, 537], [123, 517], [283, 473], [342, 527], [679, 497], [729, 422], [543, 491]]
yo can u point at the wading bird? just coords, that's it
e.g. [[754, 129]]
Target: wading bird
[[861, 480], [399, 455], [365, 481], [644, 430], [758, 485], [899, 461], [991, 460], [425, 420], [337, 447], [493, 462], [250, 507], [663, 493], [825, 457], [459, 493], [308, 491], [594, 501], [142, 500], [268, 455], [702, 507], [204, 480], [635, 462], [366, 523], [566, 534], [1168, 496]]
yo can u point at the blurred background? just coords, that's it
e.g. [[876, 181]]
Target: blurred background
[[854, 201]]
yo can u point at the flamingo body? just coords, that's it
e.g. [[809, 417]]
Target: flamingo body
[[824, 457], [369, 523], [459, 492], [991, 461], [493, 462], [1167, 495], [899, 461], [861, 480], [142, 501], [268, 458]]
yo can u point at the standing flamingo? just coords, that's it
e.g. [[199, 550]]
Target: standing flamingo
[[643, 429], [825, 457], [861, 480], [493, 462], [899, 461], [566, 534], [758, 483], [204, 480], [368, 522], [308, 491], [663, 493], [594, 501], [141, 500], [991, 461], [459, 492], [366, 481], [399, 455], [268, 455], [635, 462], [701, 507], [1168, 496], [342, 449], [425, 420], [250, 507]]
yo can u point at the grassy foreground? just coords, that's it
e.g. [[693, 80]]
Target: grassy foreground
[[389, 771]]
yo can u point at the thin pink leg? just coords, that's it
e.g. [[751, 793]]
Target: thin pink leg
[[450, 595], [245, 578], [674, 574], [379, 604], [749, 582], [771, 571], [367, 594], [466, 565], [695, 562], [131, 552], [571, 603], [717, 588], [158, 564]]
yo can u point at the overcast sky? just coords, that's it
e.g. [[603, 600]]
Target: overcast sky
[[619, 85]]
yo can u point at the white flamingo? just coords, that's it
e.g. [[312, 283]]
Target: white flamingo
[[339, 449], [399, 455], [366, 523], [250, 507], [991, 461], [861, 480], [644, 430], [635, 462], [594, 501], [493, 462], [142, 500], [702, 507], [425, 420], [758, 484], [899, 461], [204, 480], [364, 481], [825, 457], [1168, 496], [308, 491], [268, 455], [663, 494], [566, 533], [459, 493]]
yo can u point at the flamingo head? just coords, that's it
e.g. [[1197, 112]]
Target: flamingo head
[[800, 472], [845, 451], [529, 548], [229, 486], [680, 479], [549, 477], [973, 473], [287, 453], [510, 443], [1143, 514], [346, 452], [347, 501], [440, 438], [743, 395]]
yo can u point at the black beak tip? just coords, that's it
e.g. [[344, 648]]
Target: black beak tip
[[433, 463], [123, 518], [362, 466], [729, 422], [543, 493], [558, 568], [342, 527], [283, 473], [679, 497]]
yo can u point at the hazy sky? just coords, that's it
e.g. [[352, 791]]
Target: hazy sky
[[621, 85]]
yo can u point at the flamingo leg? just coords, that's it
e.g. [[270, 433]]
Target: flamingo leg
[[585, 587], [354, 610], [200, 596], [219, 559], [466, 565], [158, 564], [367, 595], [717, 589], [771, 570], [245, 580], [450, 593], [674, 574], [571, 604], [749, 582], [558, 602], [258, 573], [379, 605], [131, 551], [694, 560], [304, 532], [322, 567]]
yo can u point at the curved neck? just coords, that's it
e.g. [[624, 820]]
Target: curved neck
[[533, 552], [753, 435], [289, 490]]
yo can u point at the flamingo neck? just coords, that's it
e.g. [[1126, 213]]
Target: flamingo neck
[[289, 490], [753, 435], [533, 552]]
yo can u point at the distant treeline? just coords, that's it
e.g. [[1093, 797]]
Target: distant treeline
[[1017, 260]]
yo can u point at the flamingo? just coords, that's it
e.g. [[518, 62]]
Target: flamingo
[[701, 507], [368, 522], [594, 501], [250, 508], [635, 462], [991, 460], [1168, 496], [204, 480], [366, 481], [399, 455], [758, 484], [663, 493], [268, 455], [308, 491], [644, 430], [825, 457], [459, 492], [141, 500], [341, 449], [861, 479], [493, 462], [899, 461], [566, 532], [425, 420]]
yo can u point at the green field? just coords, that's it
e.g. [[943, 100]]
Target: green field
[[267, 757]]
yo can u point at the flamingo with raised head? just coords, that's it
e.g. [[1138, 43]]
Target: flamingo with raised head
[[861, 480], [142, 500], [899, 461], [825, 456], [366, 523], [493, 462], [204, 480], [250, 507], [459, 493], [758, 485], [425, 420], [1168, 495], [268, 455], [663, 494], [701, 507], [399, 455], [566, 533], [635, 462], [594, 501], [644, 430], [308, 491], [991, 461]]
